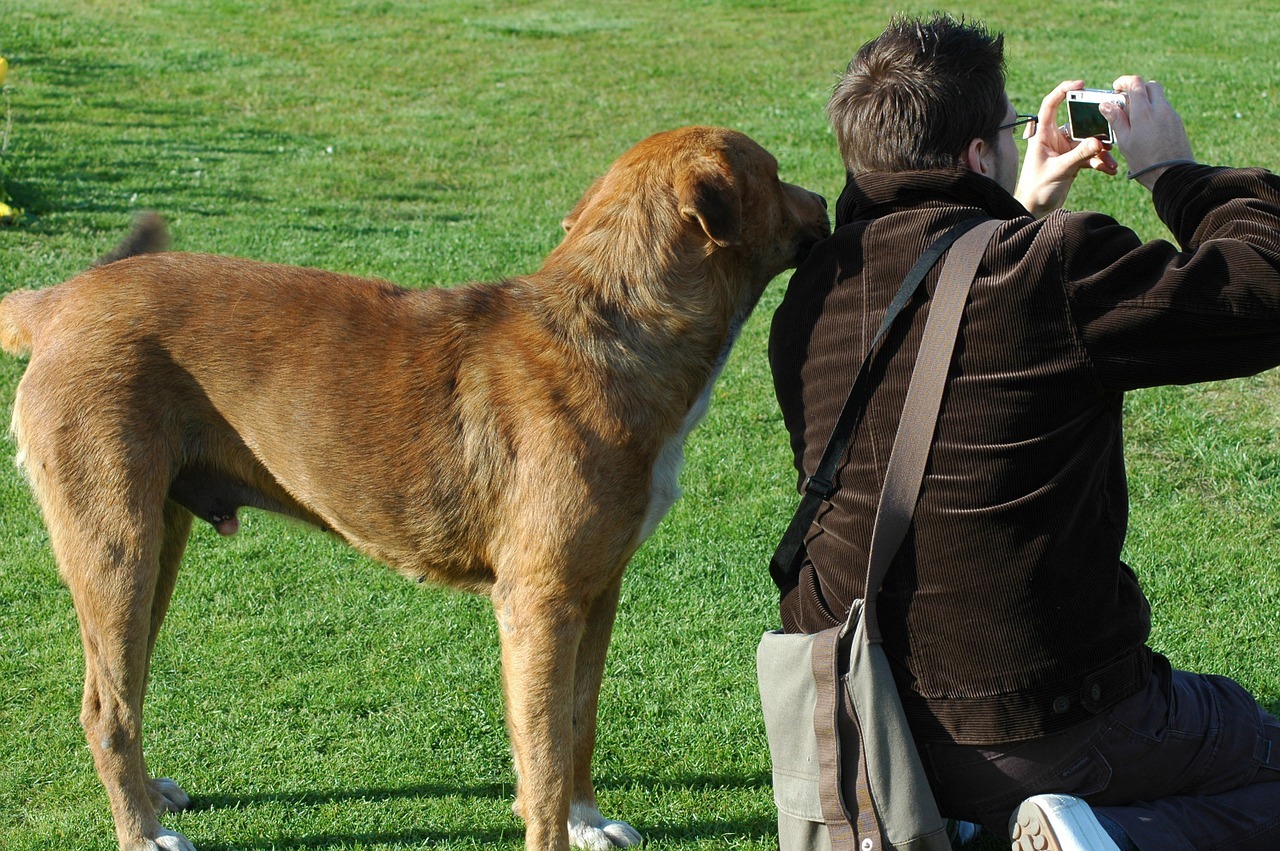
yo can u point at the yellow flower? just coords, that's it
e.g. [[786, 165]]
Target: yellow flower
[[7, 212], [4, 69]]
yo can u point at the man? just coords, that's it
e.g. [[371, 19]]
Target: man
[[1016, 633]]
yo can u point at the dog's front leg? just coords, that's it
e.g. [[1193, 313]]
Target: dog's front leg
[[587, 827], [540, 632]]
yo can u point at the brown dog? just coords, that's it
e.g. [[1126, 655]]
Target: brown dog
[[518, 439]]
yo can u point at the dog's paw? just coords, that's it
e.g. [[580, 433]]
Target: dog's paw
[[622, 833], [168, 797], [170, 840], [593, 832]]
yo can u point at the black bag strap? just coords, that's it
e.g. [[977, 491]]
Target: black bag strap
[[784, 567]]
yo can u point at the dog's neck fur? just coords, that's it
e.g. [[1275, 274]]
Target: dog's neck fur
[[655, 281], [677, 331]]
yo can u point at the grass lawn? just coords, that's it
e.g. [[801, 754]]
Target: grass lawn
[[309, 699]]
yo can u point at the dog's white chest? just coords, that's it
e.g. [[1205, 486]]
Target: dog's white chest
[[664, 487]]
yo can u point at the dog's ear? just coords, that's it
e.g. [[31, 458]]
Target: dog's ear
[[572, 219], [707, 195]]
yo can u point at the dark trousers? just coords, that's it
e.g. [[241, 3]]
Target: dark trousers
[[1190, 764]]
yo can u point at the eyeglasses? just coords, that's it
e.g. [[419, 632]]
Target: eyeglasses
[[1020, 120]]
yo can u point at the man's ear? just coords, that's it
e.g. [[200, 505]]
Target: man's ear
[[706, 195], [974, 156]]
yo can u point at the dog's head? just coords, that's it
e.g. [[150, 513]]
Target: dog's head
[[699, 204]]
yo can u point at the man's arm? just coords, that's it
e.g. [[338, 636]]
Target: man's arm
[[1152, 314]]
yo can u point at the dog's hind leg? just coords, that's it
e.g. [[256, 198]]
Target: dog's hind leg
[[120, 592], [117, 544], [166, 795], [116, 586]]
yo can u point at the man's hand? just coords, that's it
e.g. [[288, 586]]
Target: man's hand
[[1053, 160], [1147, 130]]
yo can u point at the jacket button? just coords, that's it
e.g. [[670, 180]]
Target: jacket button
[[1062, 705], [1096, 692]]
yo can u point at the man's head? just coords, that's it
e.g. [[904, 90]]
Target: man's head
[[917, 95]]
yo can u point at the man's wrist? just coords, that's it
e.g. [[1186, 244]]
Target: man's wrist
[[1148, 175]]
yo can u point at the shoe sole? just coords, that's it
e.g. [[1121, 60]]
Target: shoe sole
[[1032, 829]]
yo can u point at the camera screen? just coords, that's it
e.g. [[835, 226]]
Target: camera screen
[[1087, 121]]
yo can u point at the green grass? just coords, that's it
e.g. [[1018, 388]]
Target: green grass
[[309, 699]]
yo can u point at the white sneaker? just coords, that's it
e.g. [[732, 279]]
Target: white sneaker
[[1057, 823]]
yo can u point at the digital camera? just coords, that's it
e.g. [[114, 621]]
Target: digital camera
[[1085, 120]]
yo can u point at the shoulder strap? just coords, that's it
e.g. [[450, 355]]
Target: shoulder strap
[[919, 419], [785, 566]]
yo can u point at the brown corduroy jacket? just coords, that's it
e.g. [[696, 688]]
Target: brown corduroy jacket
[[1008, 614]]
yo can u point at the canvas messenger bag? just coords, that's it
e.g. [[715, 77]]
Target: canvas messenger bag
[[853, 781]]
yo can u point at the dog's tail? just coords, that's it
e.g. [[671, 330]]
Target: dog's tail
[[148, 236], [20, 311]]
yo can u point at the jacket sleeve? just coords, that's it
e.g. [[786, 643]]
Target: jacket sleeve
[[1152, 314]]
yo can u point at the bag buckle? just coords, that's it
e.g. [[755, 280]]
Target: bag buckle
[[819, 486]]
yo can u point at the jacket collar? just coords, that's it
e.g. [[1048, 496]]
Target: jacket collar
[[871, 195]]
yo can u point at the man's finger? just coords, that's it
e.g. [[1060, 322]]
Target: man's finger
[[1048, 114]]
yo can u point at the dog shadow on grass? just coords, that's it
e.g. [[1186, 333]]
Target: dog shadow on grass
[[750, 826]]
